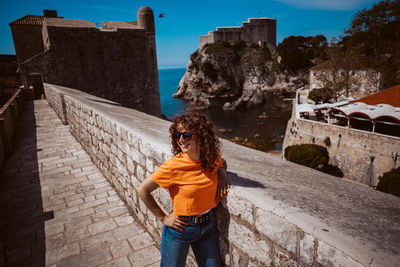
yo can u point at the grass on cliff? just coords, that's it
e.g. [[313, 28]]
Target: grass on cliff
[[234, 48]]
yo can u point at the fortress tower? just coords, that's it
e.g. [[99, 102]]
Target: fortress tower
[[116, 61], [256, 30]]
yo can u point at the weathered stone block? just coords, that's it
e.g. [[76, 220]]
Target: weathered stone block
[[246, 241], [282, 258], [127, 231], [121, 155], [328, 255], [130, 165], [102, 226], [240, 207], [157, 156], [135, 155], [142, 207], [165, 198], [276, 229], [144, 257], [114, 149], [135, 182], [121, 168], [142, 159], [307, 249], [235, 258], [140, 172], [55, 255], [149, 165], [144, 147], [127, 148], [120, 248], [140, 241]]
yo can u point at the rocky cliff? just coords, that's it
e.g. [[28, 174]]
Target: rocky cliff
[[244, 74]]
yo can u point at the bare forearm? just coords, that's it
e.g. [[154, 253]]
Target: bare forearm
[[152, 205]]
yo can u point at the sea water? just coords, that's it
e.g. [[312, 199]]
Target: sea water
[[262, 127], [169, 80]]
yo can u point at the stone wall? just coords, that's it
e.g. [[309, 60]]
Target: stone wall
[[351, 150], [9, 114], [119, 64], [255, 30], [28, 40], [277, 213]]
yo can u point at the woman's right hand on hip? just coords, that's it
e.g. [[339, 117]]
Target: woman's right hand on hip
[[176, 222]]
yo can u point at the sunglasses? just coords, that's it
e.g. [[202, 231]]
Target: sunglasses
[[186, 136]]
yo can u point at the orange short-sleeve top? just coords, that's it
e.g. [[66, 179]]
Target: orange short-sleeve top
[[192, 190]]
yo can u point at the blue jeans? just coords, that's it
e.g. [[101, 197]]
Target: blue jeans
[[202, 237]]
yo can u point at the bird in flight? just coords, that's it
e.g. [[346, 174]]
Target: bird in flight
[[161, 15]]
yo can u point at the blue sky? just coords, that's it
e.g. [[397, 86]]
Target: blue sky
[[177, 34]]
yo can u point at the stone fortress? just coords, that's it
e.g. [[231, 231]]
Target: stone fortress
[[256, 30], [116, 61]]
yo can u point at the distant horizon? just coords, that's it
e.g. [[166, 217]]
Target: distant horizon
[[179, 29]]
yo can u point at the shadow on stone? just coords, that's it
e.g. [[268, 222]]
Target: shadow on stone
[[223, 220], [244, 182], [22, 234], [105, 102]]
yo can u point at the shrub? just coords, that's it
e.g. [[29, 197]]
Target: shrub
[[217, 48], [238, 46], [321, 95], [309, 155], [209, 70], [195, 55], [389, 182], [254, 45]]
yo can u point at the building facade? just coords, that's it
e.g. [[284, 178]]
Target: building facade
[[362, 82]]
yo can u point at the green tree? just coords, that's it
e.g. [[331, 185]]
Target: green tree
[[298, 52], [338, 76], [374, 36], [321, 95]]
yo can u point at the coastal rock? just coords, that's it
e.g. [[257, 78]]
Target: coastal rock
[[246, 73], [198, 101], [263, 115], [249, 98]]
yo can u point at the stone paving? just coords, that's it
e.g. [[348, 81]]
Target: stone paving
[[56, 208]]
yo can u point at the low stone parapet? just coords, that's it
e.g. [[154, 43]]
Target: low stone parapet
[[362, 156], [9, 115], [276, 214]]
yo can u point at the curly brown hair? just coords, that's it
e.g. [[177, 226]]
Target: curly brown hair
[[202, 128]]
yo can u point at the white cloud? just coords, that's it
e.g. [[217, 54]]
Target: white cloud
[[327, 4]]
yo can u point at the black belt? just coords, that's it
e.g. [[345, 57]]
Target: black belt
[[202, 219]]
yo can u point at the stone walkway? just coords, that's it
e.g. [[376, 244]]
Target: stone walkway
[[56, 208]]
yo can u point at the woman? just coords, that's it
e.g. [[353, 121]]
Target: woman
[[196, 179]]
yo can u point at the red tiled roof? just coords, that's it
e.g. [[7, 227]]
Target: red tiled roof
[[327, 65], [389, 96], [29, 20]]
